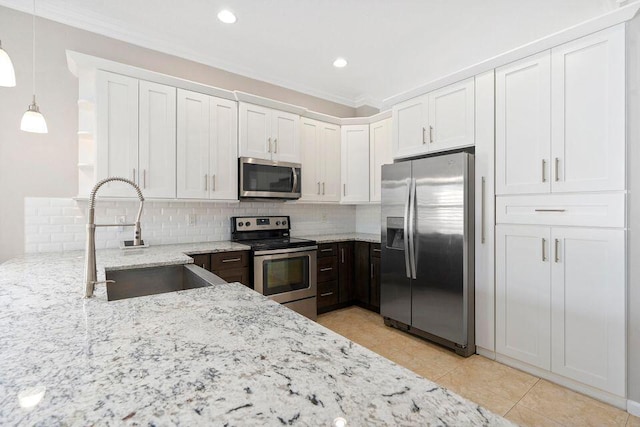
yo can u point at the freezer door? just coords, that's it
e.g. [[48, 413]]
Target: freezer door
[[395, 292], [443, 211]]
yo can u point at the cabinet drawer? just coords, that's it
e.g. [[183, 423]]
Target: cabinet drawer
[[240, 275], [375, 250], [583, 210], [327, 249], [327, 294], [327, 269], [227, 260], [202, 260]]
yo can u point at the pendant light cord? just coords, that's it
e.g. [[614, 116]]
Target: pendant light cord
[[34, 50]]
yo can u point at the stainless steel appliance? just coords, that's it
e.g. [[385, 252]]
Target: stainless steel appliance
[[428, 249], [284, 268], [266, 179]]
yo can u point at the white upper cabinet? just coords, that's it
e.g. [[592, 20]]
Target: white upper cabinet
[[410, 122], [193, 145], [223, 149], [117, 131], [588, 307], [320, 149], [269, 134], [588, 113], [452, 116], [355, 164], [379, 154], [157, 142], [523, 294], [523, 126], [560, 118]]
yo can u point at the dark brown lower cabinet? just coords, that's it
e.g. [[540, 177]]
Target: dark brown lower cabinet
[[362, 273], [374, 284], [229, 266], [345, 272]]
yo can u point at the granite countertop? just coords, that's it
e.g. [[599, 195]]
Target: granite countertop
[[217, 355], [343, 237]]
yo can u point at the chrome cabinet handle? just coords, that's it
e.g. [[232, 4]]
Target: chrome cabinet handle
[[323, 188], [275, 145], [557, 168], [342, 254], [377, 250], [269, 146], [326, 269], [482, 210], [424, 133], [231, 260], [213, 182], [544, 255], [318, 188], [549, 210], [344, 189], [144, 178], [326, 250], [326, 294], [134, 175], [206, 181], [557, 255], [372, 271], [544, 170], [431, 134]]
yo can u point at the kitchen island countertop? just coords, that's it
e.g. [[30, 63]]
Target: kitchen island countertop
[[209, 356]]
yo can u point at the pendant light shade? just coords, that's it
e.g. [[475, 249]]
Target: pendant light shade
[[7, 74], [33, 120]]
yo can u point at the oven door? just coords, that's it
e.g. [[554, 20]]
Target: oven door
[[286, 275], [267, 179]]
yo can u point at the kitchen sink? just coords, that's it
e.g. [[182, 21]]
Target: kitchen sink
[[157, 280]]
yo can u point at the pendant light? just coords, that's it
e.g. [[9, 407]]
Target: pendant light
[[33, 120], [7, 74]]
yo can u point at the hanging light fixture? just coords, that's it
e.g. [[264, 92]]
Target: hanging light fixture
[[7, 74], [33, 120]]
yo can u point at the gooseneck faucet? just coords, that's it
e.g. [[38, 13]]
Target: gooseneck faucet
[[90, 274]]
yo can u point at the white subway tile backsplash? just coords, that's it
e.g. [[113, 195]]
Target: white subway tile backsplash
[[368, 219], [56, 224]]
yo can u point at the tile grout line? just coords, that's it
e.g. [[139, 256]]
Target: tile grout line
[[523, 396]]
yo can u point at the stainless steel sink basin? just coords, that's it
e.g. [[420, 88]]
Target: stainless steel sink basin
[[157, 280]]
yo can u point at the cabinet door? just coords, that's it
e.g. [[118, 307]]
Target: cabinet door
[[410, 121], [362, 271], [452, 116], [485, 212], [157, 144], [310, 155], [285, 133], [345, 271], [588, 113], [523, 126], [255, 131], [355, 163], [375, 277], [330, 162], [379, 154], [117, 131], [193, 133], [588, 300], [523, 294], [223, 161]]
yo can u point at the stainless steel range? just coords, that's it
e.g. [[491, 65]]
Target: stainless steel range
[[284, 268]]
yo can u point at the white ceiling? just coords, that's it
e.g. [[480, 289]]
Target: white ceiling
[[392, 45]]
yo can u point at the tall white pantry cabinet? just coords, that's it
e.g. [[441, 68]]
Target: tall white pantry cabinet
[[560, 268]]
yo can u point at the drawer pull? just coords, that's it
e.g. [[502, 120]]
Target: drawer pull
[[326, 269], [557, 255], [231, 260], [544, 255], [326, 294], [550, 210], [377, 250], [326, 250], [342, 253]]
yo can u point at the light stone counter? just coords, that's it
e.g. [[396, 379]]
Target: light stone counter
[[222, 355], [343, 237]]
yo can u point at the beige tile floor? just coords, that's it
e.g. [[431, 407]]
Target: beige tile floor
[[518, 396]]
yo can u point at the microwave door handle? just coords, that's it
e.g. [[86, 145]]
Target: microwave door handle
[[295, 180]]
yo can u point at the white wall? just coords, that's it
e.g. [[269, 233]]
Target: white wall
[[34, 165]]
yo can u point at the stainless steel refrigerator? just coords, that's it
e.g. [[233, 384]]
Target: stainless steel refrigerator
[[428, 249]]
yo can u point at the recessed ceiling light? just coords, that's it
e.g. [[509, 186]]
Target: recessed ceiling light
[[227, 16], [340, 63]]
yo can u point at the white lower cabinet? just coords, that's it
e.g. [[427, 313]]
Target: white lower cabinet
[[320, 151], [560, 301], [355, 164], [206, 140]]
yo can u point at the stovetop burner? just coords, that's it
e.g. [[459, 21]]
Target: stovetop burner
[[281, 243], [266, 233]]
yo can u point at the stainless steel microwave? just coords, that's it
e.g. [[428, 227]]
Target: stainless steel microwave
[[266, 179]]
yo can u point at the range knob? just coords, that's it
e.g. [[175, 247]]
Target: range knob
[[277, 222], [240, 224], [284, 222], [247, 223]]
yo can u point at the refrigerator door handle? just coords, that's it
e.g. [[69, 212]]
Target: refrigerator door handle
[[412, 227], [406, 231]]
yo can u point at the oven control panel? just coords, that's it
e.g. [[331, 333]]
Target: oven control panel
[[260, 223]]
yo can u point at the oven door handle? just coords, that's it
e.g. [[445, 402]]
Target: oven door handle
[[286, 251], [295, 180]]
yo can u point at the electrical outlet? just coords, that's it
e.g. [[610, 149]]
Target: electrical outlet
[[191, 219], [121, 219]]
